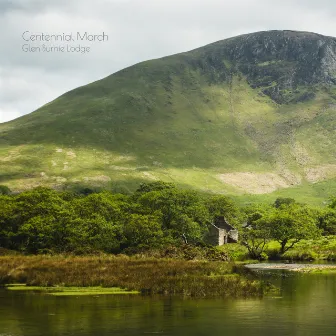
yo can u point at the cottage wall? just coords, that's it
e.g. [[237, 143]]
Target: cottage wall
[[222, 237], [216, 236], [233, 236], [221, 233]]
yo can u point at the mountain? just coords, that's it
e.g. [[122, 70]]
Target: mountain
[[253, 114]]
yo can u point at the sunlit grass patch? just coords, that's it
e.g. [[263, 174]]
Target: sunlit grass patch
[[70, 291]]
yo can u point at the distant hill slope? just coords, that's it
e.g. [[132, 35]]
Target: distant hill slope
[[251, 114]]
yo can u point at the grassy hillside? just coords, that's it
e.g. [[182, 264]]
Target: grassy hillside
[[201, 119]]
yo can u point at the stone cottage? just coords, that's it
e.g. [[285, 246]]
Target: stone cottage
[[222, 232]]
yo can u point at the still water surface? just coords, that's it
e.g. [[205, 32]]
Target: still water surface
[[306, 306]]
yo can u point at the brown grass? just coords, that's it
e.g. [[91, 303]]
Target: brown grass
[[149, 276]]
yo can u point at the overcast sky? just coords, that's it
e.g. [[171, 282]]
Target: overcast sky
[[137, 30]]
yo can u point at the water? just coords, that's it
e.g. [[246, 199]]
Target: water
[[306, 306]]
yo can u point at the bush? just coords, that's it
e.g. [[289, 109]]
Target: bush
[[4, 190]]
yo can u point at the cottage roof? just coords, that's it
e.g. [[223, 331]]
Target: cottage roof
[[222, 223]]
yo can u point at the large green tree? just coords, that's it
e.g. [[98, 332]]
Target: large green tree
[[255, 233], [290, 224], [183, 213]]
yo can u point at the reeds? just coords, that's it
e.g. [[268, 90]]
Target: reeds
[[148, 275]]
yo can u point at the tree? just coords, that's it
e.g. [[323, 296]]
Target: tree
[[290, 224], [280, 201], [20, 210], [37, 234], [38, 202], [183, 214], [327, 221], [255, 237], [255, 233], [95, 234], [8, 221], [143, 231], [105, 204], [154, 186]]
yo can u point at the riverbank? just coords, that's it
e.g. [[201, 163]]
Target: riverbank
[[146, 275], [303, 268]]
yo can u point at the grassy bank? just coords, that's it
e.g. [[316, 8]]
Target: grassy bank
[[148, 276], [306, 250]]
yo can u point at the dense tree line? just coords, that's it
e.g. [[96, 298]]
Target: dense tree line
[[44, 220], [158, 214]]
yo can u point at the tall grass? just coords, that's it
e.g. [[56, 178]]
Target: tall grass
[[149, 276]]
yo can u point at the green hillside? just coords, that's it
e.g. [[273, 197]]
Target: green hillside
[[254, 114]]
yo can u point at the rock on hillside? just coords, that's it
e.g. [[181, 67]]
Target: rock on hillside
[[278, 61]]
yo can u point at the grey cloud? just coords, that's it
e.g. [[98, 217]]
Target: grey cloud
[[32, 6]]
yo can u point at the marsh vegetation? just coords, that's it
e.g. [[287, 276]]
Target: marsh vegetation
[[148, 276]]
